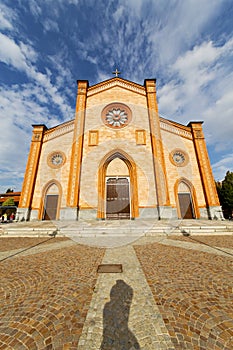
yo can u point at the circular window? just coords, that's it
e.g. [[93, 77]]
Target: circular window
[[179, 157], [116, 115], [56, 159]]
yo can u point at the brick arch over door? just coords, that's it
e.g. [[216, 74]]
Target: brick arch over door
[[192, 192], [117, 153], [45, 191]]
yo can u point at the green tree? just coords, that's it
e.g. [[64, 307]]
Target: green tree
[[219, 189], [8, 202], [226, 194]]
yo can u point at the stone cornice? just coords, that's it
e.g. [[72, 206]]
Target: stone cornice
[[116, 82], [176, 128], [59, 130]]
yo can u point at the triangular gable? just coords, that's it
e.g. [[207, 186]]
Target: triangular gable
[[59, 130], [113, 82], [175, 128]]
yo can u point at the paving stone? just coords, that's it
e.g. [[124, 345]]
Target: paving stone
[[125, 309], [193, 291], [44, 297], [214, 241], [52, 298], [14, 243]]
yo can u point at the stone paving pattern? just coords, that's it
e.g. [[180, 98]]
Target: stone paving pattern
[[52, 298], [214, 241], [123, 314], [194, 293], [44, 298], [13, 243]]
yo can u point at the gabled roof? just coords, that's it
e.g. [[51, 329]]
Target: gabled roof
[[116, 81]]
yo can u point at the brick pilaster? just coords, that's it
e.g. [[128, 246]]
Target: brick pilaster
[[157, 146], [77, 146]]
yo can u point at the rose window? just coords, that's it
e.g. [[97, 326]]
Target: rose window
[[56, 159], [179, 157], [116, 117]]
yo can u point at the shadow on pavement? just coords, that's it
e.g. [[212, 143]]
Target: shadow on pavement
[[208, 245], [24, 250], [116, 334]]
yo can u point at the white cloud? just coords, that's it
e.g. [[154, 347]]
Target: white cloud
[[202, 88], [117, 15], [4, 23], [30, 55], [22, 57], [35, 8], [222, 166], [50, 25], [182, 23], [20, 107], [7, 17], [11, 53]]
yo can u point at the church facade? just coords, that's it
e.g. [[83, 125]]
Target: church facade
[[118, 159]]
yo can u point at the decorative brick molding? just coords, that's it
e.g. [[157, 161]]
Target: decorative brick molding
[[93, 138], [176, 130], [140, 137], [58, 131], [116, 82]]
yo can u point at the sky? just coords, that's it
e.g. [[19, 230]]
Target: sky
[[47, 45]]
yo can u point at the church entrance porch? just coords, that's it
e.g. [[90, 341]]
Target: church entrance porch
[[117, 198], [117, 187]]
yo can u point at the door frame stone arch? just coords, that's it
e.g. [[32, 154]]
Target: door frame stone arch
[[43, 196], [192, 191], [117, 153]]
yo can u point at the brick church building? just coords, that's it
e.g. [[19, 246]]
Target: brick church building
[[118, 159]]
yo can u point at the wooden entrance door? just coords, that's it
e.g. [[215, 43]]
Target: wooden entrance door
[[118, 201], [50, 209], [186, 207]]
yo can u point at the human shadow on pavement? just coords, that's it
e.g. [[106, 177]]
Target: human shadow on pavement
[[116, 334]]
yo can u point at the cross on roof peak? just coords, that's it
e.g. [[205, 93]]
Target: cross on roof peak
[[116, 72]]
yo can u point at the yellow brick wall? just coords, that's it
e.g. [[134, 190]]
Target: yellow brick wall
[[190, 171], [45, 173], [123, 139]]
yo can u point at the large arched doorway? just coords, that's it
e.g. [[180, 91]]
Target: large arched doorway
[[117, 190], [117, 187], [186, 200], [51, 202]]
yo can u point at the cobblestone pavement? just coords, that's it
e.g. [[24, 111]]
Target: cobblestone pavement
[[123, 313], [171, 295], [44, 298], [214, 241], [13, 243], [194, 293]]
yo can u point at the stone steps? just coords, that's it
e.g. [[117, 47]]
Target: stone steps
[[27, 232], [207, 230], [114, 229]]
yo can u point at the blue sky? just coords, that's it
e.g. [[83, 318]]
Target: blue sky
[[46, 45]]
